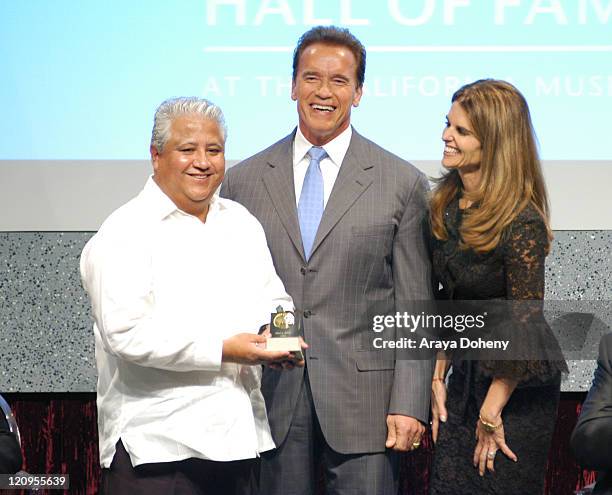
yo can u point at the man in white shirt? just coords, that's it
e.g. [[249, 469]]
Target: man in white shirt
[[180, 281]]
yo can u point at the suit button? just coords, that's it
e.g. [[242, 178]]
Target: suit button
[[303, 270], [307, 313]]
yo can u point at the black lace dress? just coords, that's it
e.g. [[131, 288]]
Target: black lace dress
[[514, 270]]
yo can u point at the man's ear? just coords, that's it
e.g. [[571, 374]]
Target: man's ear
[[293, 91], [357, 97], [154, 157]]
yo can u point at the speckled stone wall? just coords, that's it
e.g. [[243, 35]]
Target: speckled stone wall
[[579, 271], [46, 342], [46, 339]]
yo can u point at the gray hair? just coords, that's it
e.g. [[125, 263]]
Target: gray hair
[[170, 109]]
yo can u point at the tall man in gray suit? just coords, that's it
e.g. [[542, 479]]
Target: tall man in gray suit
[[342, 218]]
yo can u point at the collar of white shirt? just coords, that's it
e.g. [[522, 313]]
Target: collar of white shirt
[[161, 206], [336, 149]]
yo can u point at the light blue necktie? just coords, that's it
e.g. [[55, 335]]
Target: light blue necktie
[[310, 205]]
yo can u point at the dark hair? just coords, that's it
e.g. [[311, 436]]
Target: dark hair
[[332, 35]]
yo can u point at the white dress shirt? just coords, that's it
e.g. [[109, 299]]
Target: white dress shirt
[[166, 290], [330, 166]]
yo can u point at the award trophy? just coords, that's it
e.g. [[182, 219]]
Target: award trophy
[[285, 333]]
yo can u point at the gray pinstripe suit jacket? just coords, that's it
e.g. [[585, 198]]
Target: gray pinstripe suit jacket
[[368, 253]]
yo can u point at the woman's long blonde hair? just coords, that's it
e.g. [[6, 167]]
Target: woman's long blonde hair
[[511, 175]]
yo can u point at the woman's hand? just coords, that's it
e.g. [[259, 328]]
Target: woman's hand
[[438, 406], [490, 438]]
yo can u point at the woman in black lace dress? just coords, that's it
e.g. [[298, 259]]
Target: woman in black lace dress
[[489, 236]]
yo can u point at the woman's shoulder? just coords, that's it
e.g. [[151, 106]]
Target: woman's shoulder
[[529, 214], [527, 228], [529, 221]]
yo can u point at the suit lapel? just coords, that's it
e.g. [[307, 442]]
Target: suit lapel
[[354, 177], [279, 182]]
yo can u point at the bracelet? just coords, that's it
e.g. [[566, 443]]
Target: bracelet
[[434, 379], [489, 427]]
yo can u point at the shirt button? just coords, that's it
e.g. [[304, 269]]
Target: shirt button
[[307, 313]]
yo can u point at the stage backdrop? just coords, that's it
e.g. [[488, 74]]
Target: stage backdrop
[[81, 79]]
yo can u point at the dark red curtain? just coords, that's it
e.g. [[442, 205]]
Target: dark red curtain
[[59, 435]]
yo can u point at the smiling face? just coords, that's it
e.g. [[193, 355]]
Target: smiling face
[[325, 89], [462, 149], [192, 163]]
